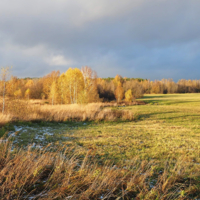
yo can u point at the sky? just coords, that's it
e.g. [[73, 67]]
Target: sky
[[151, 39]]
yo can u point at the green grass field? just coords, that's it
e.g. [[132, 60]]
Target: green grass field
[[153, 157], [167, 127]]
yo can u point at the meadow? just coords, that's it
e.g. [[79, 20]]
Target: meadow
[[152, 153]]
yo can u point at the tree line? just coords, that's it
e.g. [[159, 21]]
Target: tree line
[[83, 86]]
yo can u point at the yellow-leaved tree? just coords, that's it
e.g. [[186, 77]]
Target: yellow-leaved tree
[[119, 92], [5, 72], [62, 91], [53, 92], [48, 80], [118, 79], [29, 83], [12, 86], [89, 94], [74, 85], [18, 94], [129, 95], [27, 94]]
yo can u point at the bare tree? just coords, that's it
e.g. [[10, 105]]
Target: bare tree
[[5, 72]]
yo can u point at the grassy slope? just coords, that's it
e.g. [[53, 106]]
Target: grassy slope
[[168, 127]]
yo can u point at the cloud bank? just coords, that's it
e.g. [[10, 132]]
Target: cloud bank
[[151, 39]]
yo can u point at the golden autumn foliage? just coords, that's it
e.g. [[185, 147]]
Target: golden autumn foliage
[[27, 93], [18, 94], [128, 95], [29, 83], [82, 86], [118, 79], [48, 80], [75, 84], [90, 93], [4, 73], [119, 92], [12, 86], [53, 92], [62, 92]]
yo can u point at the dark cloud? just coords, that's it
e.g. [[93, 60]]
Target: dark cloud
[[152, 39]]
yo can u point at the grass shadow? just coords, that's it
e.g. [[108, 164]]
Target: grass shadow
[[155, 113], [168, 102]]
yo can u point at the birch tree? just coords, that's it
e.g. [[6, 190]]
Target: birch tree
[[90, 93], [53, 93], [27, 93], [29, 83], [5, 72], [118, 79], [48, 80], [11, 86], [62, 91], [129, 95], [75, 84], [119, 92], [18, 93]]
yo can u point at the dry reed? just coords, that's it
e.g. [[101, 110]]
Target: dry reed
[[46, 175], [20, 110]]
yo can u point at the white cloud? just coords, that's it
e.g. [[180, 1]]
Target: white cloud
[[58, 60]]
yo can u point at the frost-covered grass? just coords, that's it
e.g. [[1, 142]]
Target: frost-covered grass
[[41, 134]]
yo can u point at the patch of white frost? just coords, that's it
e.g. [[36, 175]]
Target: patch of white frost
[[50, 134], [39, 137], [18, 128], [37, 146]]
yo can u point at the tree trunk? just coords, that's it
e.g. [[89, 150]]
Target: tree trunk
[[74, 93], [71, 92], [4, 90]]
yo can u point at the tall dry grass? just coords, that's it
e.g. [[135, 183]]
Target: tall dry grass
[[38, 111], [46, 175], [5, 118], [89, 112]]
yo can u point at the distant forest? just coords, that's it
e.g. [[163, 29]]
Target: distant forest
[[83, 86]]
